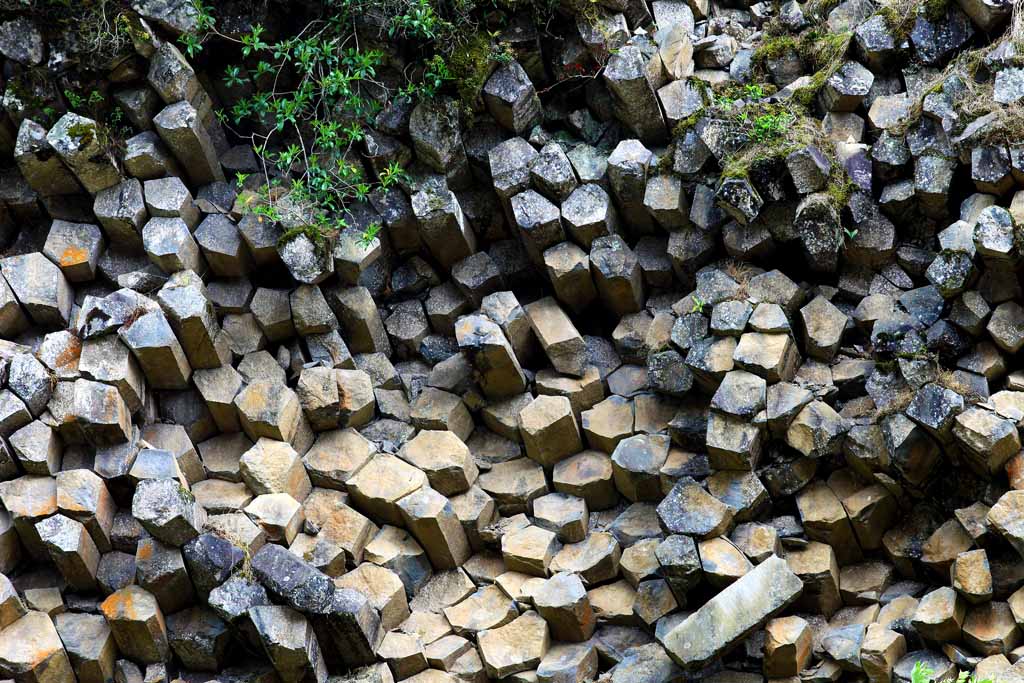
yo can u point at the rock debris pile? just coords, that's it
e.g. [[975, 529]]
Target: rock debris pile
[[694, 355]]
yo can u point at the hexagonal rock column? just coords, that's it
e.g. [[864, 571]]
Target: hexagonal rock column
[[430, 517], [549, 430], [31, 650], [497, 368], [518, 646], [443, 225], [190, 313], [634, 100], [178, 125], [157, 350], [90, 645], [71, 549], [563, 603], [76, 140], [512, 99], [290, 643], [559, 338], [40, 287], [138, 624], [168, 511], [41, 167]]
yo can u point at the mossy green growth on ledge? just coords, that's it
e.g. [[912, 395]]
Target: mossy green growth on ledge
[[319, 234], [84, 132], [472, 63]]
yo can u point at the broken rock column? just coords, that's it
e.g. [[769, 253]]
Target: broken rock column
[[41, 167], [181, 130], [77, 140], [497, 368], [634, 100], [443, 226], [31, 650], [562, 343]]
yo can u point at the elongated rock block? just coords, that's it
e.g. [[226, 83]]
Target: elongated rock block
[[560, 339], [730, 616]]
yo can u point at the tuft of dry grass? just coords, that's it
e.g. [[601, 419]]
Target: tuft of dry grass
[[898, 404], [947, 379]]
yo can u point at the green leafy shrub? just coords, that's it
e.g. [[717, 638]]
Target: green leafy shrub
[[310, 97], [922, 674]]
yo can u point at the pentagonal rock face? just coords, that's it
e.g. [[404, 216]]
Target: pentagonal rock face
[[36, 158], [518, 646], [512, 99], [168, 511], [157, 351], [32, 649], [274, 467], [137, 624], [72, 550], [267, 409], [289, 641], [76, 140], [40, 287], [443, 458], [380, 484]]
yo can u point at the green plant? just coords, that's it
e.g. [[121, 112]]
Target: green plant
[[192, 41], [850, 234], [754, 91], [368, 234], [310, 126], [418, 21], [472, 63], [109, 127], [698, 304], [922, 674], [308, 100], [435, 74], [771, 125], [76, 101]]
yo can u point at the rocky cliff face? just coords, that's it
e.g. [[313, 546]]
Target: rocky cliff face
[[622, 341]]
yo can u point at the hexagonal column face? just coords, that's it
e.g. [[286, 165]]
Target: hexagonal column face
[[168, 511], [430, 517], [288, 639], [72, 549], [138, 624]]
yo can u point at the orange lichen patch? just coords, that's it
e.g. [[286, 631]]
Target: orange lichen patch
[[144, 551], [43, 507], [71, 354], [1015, 471], [119, 605], [35, 506], [132, 317], [110, 406], [39, 653], [66, 502], [72, 256], [33, 499], [35, 640]]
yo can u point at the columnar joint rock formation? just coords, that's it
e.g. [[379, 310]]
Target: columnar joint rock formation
[[651, 341]]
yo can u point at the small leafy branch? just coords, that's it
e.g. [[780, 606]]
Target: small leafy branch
[[771, 125], [111, 129], [306, 131], [311, 98], [921, 673]]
